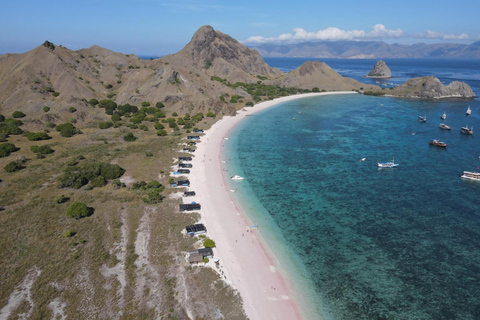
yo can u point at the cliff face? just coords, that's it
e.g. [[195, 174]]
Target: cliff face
[[380, 70], [431, 88]]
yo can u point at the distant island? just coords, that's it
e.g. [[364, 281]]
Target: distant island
[[370, 50]]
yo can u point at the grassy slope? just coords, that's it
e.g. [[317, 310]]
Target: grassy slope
[[32, 227]]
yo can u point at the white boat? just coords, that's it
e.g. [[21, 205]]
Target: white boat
[[466, 130], [444, 116], [387, 164], [422, 118], [471, 175], [363, 159], [235, 177], [469, 111], [444, 126]]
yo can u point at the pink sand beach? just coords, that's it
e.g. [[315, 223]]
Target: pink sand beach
[[247, 266]]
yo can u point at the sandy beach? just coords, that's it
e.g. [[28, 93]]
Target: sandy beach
[[263, 286]]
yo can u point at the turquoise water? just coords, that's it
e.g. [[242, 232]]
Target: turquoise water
[[363, 242]]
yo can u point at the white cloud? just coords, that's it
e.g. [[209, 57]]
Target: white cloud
[[378, 32], [330, 33], [428, 34]]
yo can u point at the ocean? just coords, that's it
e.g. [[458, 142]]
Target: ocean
[[358, 242]]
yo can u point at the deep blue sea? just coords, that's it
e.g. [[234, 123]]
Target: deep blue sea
[[360, 242]]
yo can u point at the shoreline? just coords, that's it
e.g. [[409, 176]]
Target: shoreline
[[266, 291]]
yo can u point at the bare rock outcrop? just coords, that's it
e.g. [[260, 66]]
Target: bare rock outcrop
[[380, 70], [431, 88]]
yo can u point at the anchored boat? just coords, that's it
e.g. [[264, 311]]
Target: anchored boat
[[469, 111], [466, 130], [444, 116], [387, 164], [422, 118], [437, 143], [444, 126]]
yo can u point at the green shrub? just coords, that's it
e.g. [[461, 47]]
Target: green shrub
[[159, 126], [6, 149], [145, 104], [162, 133], [61, 199], [49, 89], [148, 153], [42, 150], [3, 137], [2, 118], [72, 109], [211, 114], [108, 86], [14, 166], [159, 105], [18, 114], [67, 130], [93, 102], [209, 243], [116, 117], [153, 197], [98, 182], [69, 233], [129, 137], [50, 124], [105, 125], [78, 210], [174, 114], [56, 94], [36, 136], [46, 109]]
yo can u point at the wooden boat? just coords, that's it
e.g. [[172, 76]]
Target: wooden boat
[[466, 130], [444, 126], [437, 143], [422, 118]]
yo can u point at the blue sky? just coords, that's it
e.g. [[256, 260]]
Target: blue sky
[[158, 27]]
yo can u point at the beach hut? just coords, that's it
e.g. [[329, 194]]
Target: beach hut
[[183, 183], [189, 206], [206, 252], [183, 171], [185, 165], [189, 193], [195, 257], [196, 229]]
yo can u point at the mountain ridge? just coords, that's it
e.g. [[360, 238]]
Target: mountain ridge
[[369, 50]]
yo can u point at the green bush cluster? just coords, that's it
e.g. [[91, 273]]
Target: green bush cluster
[[105, 125], [76, 177], [18, 114], [6, 149], [129, 137], [78, 210], [374, 93], [36, 136], [41, 151], [67, 130], [11, 126], [209, 243], [14, 166], [61, 199]]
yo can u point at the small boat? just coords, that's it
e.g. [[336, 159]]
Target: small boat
[[444, 116], [466, 130], [235, 177], [363, 159], [437, 143], [444, 126], [471, 175], [469, 111], [387, 164], [422, 118]]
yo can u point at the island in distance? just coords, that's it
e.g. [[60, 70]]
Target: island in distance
[[380, 70]]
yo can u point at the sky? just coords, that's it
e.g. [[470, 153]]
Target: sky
[[159, 27]]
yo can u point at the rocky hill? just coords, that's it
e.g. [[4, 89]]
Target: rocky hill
[[380, 70], [315, 74], [369, 50], [431, 88]]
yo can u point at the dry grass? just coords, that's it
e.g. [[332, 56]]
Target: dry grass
[[32, 228]]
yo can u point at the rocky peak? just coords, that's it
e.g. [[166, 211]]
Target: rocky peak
[[431, 88], [309, 67], [380, 70]]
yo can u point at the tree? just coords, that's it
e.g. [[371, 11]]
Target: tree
[[159, 105], [93, 102], [105, 125], [211, 114], [67, 130], [129, 137], [78, 210], [18, 114], [36, 136], [6, 149], [161, 133], [209, 243]]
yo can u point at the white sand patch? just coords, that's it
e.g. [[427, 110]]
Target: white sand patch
[[58, 309], [273, 269], [118, 271], [127, 180], [176, 195], [23, 292], [147, 276], [87, 296]]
